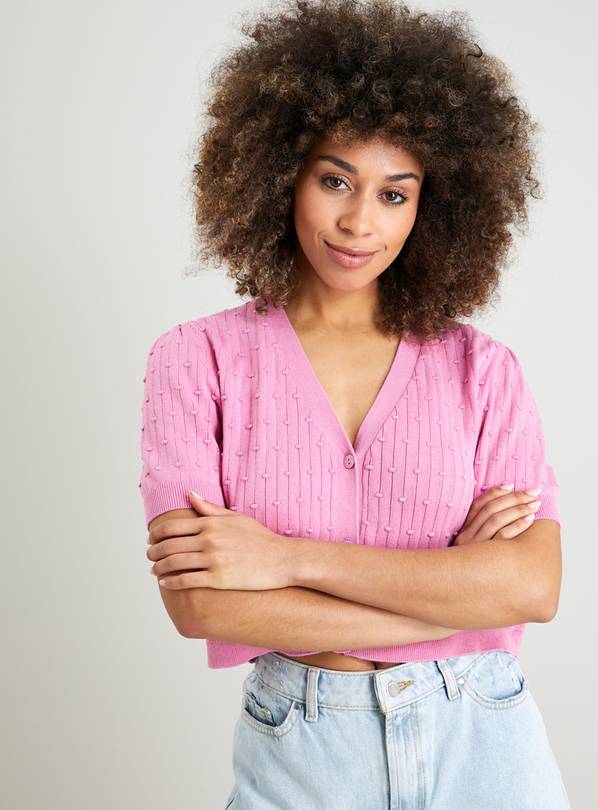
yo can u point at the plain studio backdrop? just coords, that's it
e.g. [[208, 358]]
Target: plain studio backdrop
[[105, 704]]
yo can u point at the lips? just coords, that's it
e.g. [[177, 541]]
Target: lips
[[348, 260], [350, 251]]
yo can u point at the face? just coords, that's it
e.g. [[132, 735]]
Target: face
[[362, 196]]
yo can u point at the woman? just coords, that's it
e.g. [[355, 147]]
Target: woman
[[325, 464]]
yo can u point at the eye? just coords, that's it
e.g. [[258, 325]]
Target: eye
[[336, 178], [403, 198], [332, 177]]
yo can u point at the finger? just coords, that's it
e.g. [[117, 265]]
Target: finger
[[499, 520], [206, 507], [189, 579], [174, 545], [179, 562], [176, 527], [480, 502], [483, 507], [516, 528]]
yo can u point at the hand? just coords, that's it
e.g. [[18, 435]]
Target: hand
[[220, 549], [496, 515]]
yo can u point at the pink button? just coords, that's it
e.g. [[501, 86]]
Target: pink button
[[349, 461]]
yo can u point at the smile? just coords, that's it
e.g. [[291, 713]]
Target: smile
[[348, 259]]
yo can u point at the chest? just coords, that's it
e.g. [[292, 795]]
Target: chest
[[351, 372], [370, 445]]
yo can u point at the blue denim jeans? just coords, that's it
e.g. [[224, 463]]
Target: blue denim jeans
[[462, 733]]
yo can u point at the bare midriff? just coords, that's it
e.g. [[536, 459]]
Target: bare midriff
[[345, 663]]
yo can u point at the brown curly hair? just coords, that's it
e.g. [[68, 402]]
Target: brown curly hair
[[354, 70]]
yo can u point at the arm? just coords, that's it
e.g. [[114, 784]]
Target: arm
[[498, 583], [300, 619], [180, 393], [480, 585], [288, 618]]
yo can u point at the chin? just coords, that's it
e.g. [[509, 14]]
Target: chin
[[347, 283]]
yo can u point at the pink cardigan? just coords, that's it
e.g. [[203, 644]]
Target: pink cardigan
[[232, 409]]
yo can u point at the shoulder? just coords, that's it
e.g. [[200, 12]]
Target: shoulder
[[475, 355], [206, 332], [473, 339], [225, 326], [481, 349]]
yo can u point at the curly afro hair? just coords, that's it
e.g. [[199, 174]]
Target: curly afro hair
[[354, 70]]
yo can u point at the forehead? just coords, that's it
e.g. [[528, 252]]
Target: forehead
[[375, 155]]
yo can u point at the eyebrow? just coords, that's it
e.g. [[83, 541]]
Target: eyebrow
[[342, 164]]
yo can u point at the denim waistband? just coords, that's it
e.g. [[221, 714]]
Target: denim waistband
[[383, 689]]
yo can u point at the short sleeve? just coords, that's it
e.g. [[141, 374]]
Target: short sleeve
[[181, 425], [510, 446]]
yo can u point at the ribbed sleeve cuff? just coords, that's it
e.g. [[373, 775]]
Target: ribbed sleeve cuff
[[549, 506], [174, 495]]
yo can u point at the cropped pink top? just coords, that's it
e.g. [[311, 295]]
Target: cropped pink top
[[232, 409]]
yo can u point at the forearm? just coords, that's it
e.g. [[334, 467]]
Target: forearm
[[479, 585], [297, 618]]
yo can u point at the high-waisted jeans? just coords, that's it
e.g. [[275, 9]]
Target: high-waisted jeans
[[462, 733]]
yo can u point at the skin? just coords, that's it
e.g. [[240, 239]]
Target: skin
[[345, 198], [357, 209]]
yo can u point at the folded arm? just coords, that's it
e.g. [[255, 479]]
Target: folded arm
[[300, 619], [293, 618], [498, 583]]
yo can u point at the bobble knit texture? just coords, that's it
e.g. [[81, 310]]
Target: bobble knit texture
[[233, 410]]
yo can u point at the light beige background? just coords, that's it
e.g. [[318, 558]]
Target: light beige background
[[105, 706]]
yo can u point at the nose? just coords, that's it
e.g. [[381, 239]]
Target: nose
[[357, 217]]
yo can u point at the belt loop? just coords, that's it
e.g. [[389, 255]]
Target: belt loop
[[311, 697], [452, 689]]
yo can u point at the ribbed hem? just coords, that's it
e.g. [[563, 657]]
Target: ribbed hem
[[500, 638], [223, 654], [549, 507], [174, 495]]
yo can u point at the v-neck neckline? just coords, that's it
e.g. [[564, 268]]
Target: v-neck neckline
[[390, 392]]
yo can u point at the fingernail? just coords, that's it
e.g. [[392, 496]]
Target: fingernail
[[507, 486], [533, 491]]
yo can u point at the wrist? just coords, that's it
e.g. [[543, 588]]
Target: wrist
[[299, 565]]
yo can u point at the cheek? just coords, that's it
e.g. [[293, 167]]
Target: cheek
[[399, 229], [310, 212]]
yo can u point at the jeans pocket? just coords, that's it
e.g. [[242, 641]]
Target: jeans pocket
[[496, 680], [266, 709]]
